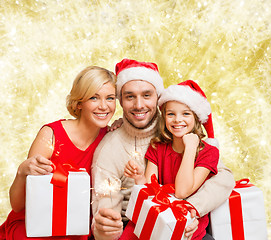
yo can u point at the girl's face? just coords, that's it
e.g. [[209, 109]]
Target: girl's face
[[99, 109], [179, 119]]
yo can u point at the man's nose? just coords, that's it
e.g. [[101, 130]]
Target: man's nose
[[139, 103]]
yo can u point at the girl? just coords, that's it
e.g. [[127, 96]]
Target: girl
[[179, 155], [92, 102]]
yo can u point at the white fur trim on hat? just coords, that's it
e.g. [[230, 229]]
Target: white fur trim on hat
[[184, 94], [212, 141], [140, 73]]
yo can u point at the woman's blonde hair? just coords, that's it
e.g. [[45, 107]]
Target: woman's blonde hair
[[85, 85], [165, 136]]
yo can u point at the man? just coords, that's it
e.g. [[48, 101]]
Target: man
[[139, 86]]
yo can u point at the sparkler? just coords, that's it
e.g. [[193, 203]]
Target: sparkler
[[136, 155]]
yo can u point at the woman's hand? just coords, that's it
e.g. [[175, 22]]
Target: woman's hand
[[36, 165], [116, 124]]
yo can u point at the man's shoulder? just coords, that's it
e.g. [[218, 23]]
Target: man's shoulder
[[111, 140]]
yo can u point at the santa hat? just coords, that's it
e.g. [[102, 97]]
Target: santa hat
[[189, 93], [128, 70]]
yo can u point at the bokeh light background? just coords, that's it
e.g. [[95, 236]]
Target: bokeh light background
[[224, 45]]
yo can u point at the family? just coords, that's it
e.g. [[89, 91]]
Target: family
[[164, 126]]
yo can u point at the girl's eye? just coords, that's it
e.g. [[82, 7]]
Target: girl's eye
[[170, 114], [187, 113]]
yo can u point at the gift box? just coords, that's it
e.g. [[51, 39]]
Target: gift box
[[58, 205], [242, 216], [143, 192], [163, 220]]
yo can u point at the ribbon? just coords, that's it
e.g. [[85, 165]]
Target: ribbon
[[236, 214], [179, 208], [153, 188], [60, 194], [243, 183]]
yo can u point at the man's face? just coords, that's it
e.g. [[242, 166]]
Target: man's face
[[139, 103]]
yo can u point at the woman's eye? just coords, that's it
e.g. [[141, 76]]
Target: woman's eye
[[110, 98], [93, 98]]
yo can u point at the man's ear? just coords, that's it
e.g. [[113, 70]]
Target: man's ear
[[120, 100]]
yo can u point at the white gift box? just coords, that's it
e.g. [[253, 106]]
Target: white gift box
[[165, 222], [133, 200], [253, 221], [39, 205]]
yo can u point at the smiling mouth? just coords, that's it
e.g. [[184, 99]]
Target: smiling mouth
[[139, 115], [101, 115], [179, 127]]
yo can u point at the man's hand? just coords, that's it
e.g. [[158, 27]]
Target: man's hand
[[107, 225], [133, 170], [191, 228]]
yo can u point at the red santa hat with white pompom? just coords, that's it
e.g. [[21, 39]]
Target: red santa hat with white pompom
[[190, 93], [129, 70]]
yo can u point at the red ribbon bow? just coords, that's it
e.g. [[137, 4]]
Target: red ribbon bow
[[179, 208], [60, 194], [243, 183], [153, 188]]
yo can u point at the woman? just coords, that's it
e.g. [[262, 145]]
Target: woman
[[92, 102]]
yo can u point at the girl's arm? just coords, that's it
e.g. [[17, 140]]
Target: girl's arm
[[188, 178], [37, 163], [150, 170]]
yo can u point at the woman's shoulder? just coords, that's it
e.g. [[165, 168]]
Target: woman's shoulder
[[55, 123]]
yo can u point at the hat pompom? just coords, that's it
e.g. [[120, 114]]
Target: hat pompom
[[212, 141]]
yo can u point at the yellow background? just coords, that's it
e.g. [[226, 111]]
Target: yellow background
[[223, 45]]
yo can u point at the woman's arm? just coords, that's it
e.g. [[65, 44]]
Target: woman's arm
[[37, 163]]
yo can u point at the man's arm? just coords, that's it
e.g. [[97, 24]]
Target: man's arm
[[106, 205], [214, 191]]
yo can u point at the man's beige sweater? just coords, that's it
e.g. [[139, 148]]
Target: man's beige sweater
[[117, 148]]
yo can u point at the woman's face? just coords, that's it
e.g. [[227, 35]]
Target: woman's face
[[99, 109]]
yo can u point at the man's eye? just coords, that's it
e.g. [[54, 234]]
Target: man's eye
[[129, 97]]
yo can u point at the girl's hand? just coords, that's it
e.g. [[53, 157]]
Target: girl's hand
[[36, 165], [191, 140], [116, 124], [133, 170]]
